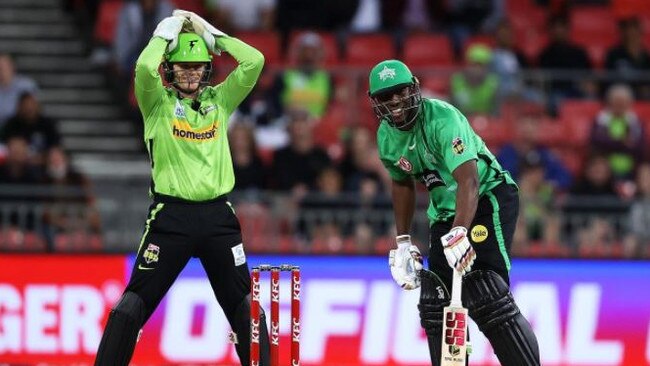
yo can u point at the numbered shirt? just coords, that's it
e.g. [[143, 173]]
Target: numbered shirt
[[439, 142], [189, 151]]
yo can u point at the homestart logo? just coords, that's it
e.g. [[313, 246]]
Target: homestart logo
[[184, 131]]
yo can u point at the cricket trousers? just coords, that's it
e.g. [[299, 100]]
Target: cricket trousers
[[490, 234], [176, 231]]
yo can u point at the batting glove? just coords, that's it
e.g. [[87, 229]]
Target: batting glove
[[405, 263], [168, 29], [458, 250], [203, 29]]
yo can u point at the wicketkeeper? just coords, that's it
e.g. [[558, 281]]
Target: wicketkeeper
[[473, 209], [185, 131]]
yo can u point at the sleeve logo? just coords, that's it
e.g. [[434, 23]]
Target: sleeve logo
[[458, 146], [404, 164]]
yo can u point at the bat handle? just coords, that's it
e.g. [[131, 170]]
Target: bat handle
[[456, 289]]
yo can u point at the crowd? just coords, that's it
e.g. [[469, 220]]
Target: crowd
[[296, 135]]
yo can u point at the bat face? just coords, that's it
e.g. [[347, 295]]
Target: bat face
[[454, 337]]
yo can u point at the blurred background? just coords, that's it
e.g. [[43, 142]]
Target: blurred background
[[558, 89]]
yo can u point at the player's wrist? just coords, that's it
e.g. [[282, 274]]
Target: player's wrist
[[403, 240]]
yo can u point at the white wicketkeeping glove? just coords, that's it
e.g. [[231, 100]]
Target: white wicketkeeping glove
[[168, 29], [458, 250], [203, 29], [405, 263]]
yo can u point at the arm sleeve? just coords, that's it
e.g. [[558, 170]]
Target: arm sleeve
[[456, 141], [148, 85], [240, 81], [395, 172]]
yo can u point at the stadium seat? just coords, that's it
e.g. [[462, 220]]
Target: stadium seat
[[330, 46], [368, 49], [593, 25], [106, 23], [266, 42], [428, 50], [495, 132], [329, 128], [436, 85], [578, 116]]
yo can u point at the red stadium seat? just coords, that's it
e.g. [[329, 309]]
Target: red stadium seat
[[428, 50], [266, 42], [368, 49], [329, 128], [593, 25], [495, 132], [107, 21], [578, 115], [330, 47], [436, 85]]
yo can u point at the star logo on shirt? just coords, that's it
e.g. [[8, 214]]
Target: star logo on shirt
[[387, 73]]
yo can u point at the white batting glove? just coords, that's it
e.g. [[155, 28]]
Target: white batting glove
[[202, 28], [168, 29], [458, 250], [405, 263]]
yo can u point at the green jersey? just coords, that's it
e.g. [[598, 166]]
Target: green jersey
[[440, 141], [189, 152]]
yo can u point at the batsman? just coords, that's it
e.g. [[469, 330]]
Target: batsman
[[185, 132], [473, 208]]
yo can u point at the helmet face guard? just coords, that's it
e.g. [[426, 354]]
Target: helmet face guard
[[400, 108], [395, 94], [172, 79]]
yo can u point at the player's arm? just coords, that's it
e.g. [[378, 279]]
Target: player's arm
[[241, 80], [148, 84], [403, 194], [466, 176]]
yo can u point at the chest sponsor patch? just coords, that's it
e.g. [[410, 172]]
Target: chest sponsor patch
[[458, 145], [479, 233], [183, 130], [431, 179], [404, 164]]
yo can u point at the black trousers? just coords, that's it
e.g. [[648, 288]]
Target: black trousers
[[490, 234], [177, 230]]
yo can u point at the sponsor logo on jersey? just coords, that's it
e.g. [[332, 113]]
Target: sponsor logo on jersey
[[184, 131], [404, 164], [431, 179], [479, 233], [458, 145], [179, 111]]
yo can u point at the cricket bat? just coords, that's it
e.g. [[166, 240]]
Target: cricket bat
[[454, 327]]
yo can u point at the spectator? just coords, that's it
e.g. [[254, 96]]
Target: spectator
[[592, 208], [135, 24], [306, 85], [412, 15], [250, 173], [469, 17], [296, 166], [70, 217], [638, 243], [525, 148], [12, 86], [360, 166], [367, 17], [242, 15], [474, 90], [17, 168], [314, 14], [39, 131], [617, 132], [538, 222], [630, 58], [561, 55], [507, 63]]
